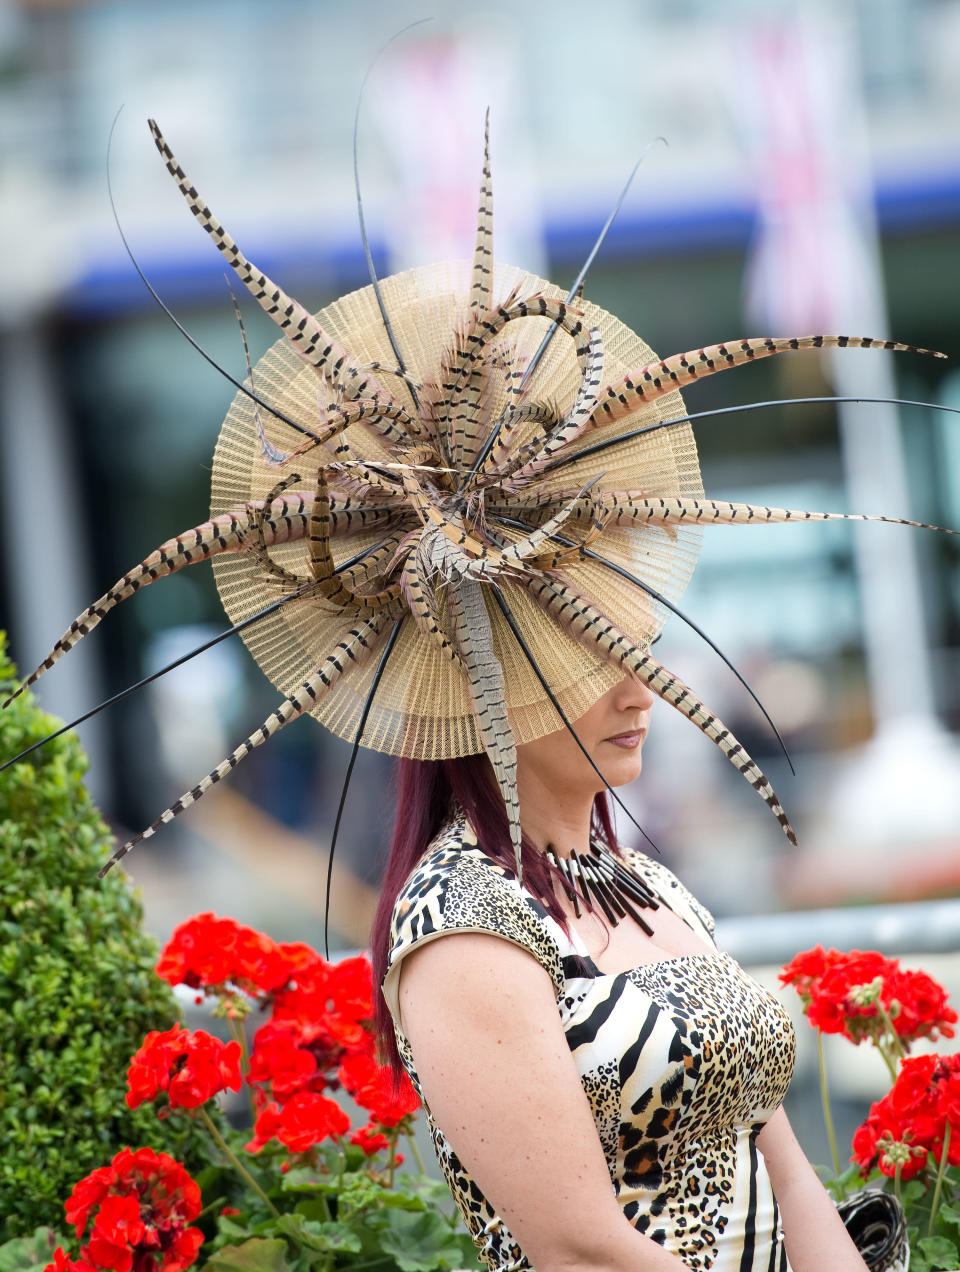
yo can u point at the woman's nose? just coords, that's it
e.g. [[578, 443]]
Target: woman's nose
[[634, 693]]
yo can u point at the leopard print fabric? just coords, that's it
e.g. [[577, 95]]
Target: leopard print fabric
[[682, 1062]]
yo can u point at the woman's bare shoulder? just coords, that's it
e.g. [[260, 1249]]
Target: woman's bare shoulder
[[457, 890]]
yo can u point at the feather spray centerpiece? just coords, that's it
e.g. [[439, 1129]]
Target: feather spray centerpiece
[[453, 508]]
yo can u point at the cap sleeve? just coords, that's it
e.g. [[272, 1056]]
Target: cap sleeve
[[457, 888]]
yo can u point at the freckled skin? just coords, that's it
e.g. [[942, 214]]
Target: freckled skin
[[500, 1079]]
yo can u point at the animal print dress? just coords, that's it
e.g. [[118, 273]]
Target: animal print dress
[[682, 1060]]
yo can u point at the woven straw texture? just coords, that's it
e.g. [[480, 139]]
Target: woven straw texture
[[422, 708]]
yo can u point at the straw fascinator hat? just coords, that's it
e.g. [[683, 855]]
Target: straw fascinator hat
[[451, 509]]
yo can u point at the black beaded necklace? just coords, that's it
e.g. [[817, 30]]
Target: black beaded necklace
[[600, 878]]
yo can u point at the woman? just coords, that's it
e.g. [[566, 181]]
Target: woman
[[496, 503], [556, 1051]]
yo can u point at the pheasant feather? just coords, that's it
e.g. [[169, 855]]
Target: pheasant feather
[[447, 455]]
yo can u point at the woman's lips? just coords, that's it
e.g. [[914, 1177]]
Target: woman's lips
[[628, 741]]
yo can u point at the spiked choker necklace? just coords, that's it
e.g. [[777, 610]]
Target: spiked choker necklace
[[598, 878]]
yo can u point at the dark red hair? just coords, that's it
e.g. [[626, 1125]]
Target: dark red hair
[[428, 791]]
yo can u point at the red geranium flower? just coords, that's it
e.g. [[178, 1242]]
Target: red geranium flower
[[856, 993], [63, 1263], [912, 1118], [298, 956], [948, 1090], [913, 1083], [370, 1139], [191, 1067], [374, 1088], [805, 969], [117, 1229], [140, 1205], [918, 1006], [331, 1002], [87, 1194], [287, 1060], [307, 1119], [214, 954], [883, 1141]]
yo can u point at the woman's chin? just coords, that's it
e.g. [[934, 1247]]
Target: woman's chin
[[624, 770]]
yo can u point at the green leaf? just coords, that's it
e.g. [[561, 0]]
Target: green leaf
[[469, 1254], [259, 1254], [938, 1253], [913, 1191], [319, 1234], [359, 1194], [24, 1253], [306, 1180], [434, 1193], [314, 1208], [840, 1186], [420, 1242], [228, 1226], [394, 1200], [949, 1216]]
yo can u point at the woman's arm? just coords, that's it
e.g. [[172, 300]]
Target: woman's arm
[[481, 1017], [813, 1230]]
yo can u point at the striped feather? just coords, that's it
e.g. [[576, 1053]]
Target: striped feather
[[532, 545], [481, 275], [533, 457], [483, 330], [330, 584], [594, 630], [514, 417], [297, 324], [625, 509], [418, 589], [487, 689], [284, 521], [659, 378], [351, 651]]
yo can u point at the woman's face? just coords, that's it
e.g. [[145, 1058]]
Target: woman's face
[[612, 731]]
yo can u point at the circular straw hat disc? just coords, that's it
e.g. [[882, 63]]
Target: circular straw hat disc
[[422, 708]]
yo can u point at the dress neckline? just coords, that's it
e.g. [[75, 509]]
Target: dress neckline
[[640, 862]]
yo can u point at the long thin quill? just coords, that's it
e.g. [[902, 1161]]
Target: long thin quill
[[674, 609], [578, 282], [177, 662], [599, 447], [377, 677], [254, 397], [512, 623], [371, 268]]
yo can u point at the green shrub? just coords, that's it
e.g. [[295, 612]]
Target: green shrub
[[77, 989]]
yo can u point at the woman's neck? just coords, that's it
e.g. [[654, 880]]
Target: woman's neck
[[557, 820]]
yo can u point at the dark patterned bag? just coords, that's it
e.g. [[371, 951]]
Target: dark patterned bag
[[876, 1224]]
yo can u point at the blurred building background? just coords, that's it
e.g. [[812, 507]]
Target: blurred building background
[[811, 182]]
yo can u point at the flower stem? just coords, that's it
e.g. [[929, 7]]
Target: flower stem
[[416, 1152], [235, 1161], [825, 1101], [896, 1182], [941, 1171], [213, 1205], [897, 1047], [341, 1163], [885, 1057], [392, 1163], [240, 1035]]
